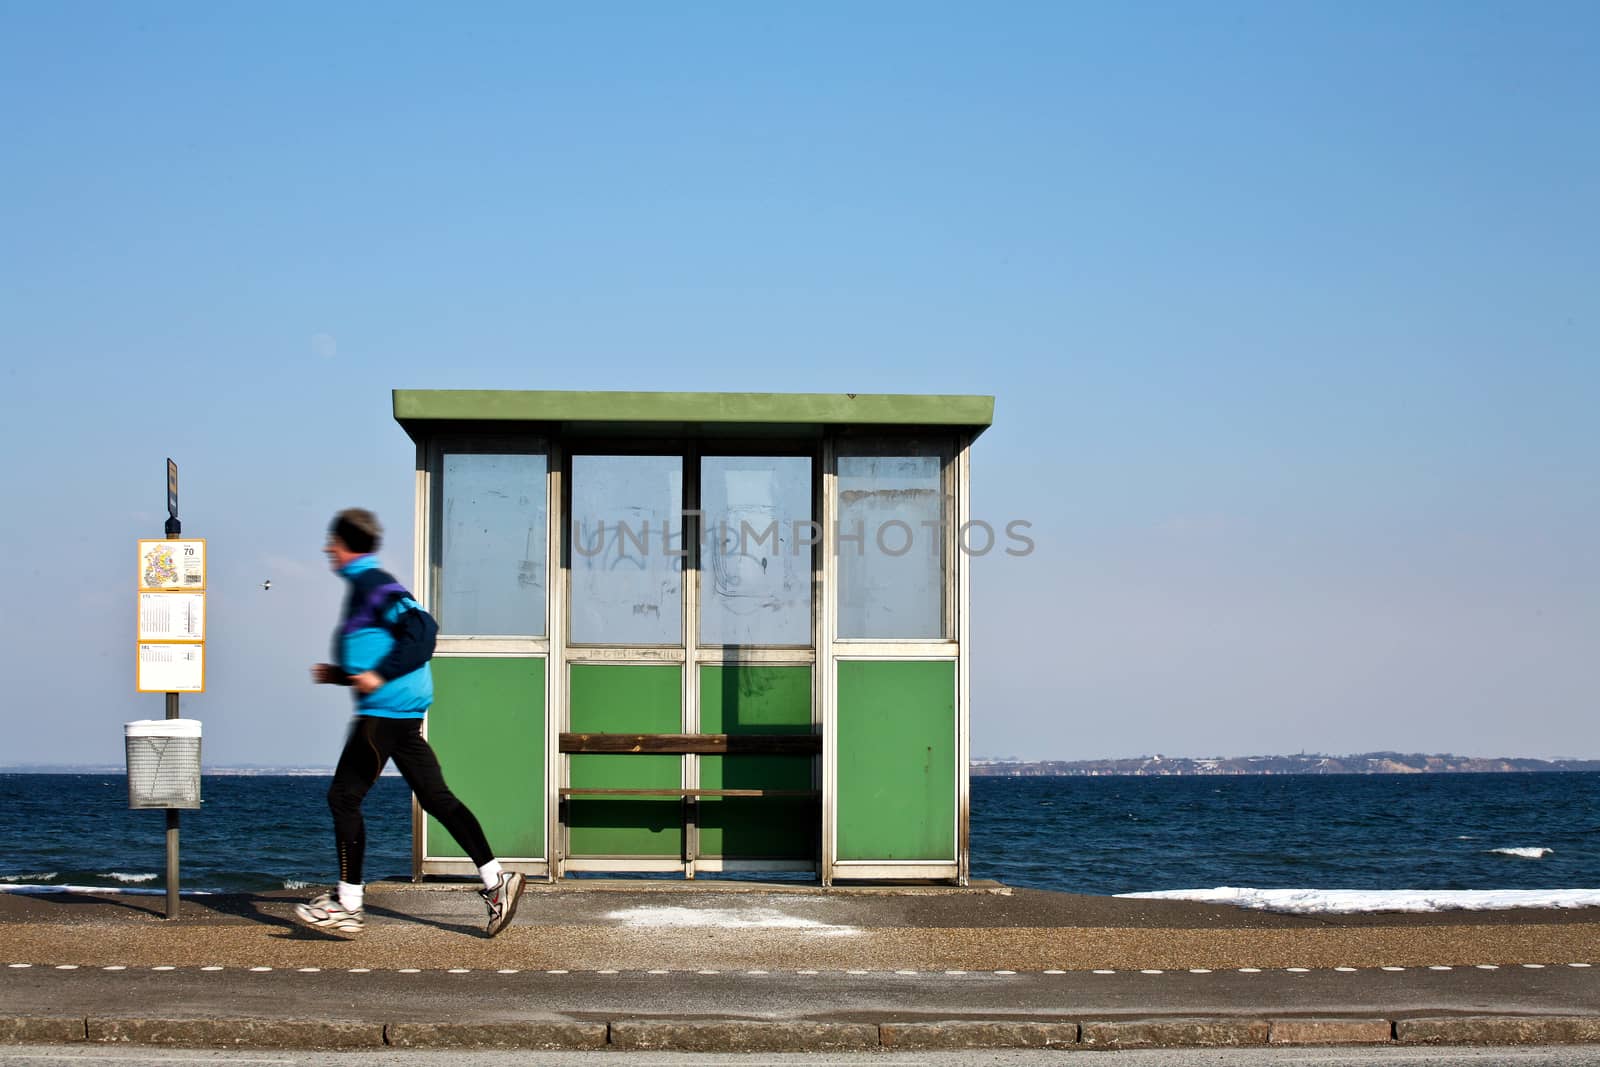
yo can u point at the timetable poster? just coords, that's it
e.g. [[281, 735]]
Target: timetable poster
[[172, 616], [172, 668]]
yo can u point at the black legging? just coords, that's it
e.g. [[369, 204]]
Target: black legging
[[373, 742]]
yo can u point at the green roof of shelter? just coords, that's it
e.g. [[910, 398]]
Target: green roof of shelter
[[687, 411]]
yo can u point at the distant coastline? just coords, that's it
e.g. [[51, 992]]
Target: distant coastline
[[1135, 767], [1304, 763]]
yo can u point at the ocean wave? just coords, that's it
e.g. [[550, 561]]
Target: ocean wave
[[121, 891], [130, 879], [295, 883], [1523, 853], [42, 876], [1352, 901]]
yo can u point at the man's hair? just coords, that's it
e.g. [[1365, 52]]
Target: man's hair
[[358, 528]]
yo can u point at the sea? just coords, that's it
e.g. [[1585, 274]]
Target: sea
[[1101, 835]]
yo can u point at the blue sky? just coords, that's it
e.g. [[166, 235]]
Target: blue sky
[[1288, 310]]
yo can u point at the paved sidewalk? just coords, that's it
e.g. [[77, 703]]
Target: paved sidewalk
[[720, 966]]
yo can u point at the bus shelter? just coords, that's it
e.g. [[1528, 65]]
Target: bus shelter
[[697, 633]]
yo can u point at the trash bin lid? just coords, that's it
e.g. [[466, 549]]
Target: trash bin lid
[[162, 728]]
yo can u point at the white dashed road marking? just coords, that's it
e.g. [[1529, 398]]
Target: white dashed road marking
[[854, 971]]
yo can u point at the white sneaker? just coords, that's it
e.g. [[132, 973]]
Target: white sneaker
[[502, 901], [327, 914]]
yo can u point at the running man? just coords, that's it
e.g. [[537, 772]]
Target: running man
[[381, 650]]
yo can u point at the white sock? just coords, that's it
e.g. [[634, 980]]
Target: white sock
[[490, 873], [350, 896]]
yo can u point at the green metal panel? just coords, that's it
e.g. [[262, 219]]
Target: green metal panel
[[859, 409], [487, 726], [897, 760], [751, 699], [625, 698]]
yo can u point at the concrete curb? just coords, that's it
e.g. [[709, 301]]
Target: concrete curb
[[967, 1033], [42, 1030], [1499, 1030], [738, 1035], [1330, 1032], [548, 1036], [755, 1035], [1166, 1033], [237, 1033]]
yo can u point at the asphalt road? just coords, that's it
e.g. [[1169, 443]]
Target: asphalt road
[[489, 996]]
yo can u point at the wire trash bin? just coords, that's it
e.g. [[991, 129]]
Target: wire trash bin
[[163, 763]]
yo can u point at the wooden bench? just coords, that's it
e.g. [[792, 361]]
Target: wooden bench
[[690, 745]]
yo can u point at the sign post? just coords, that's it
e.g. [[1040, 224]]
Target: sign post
[[171, 634]]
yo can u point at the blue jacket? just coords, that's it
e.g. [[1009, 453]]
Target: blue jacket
[[383, 629]]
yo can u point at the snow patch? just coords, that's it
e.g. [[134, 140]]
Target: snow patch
[[1351, 901], [727, 919]]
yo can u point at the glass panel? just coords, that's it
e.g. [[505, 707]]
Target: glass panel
[[492, 564], [627, 550], [755, 586], [890, 543]]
